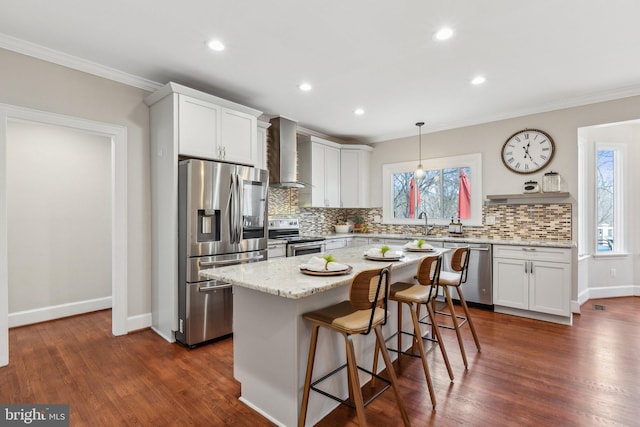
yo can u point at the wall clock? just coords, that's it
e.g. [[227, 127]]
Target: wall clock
[[528, 151]]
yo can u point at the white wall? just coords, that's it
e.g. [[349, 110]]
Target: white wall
[[59, 216], [36, 84]]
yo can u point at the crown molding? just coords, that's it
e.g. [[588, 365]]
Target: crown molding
[[37, 51], [578, 101]]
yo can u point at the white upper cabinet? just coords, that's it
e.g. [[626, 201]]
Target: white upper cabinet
[[208, 127], [263, 129], [238, 137], [319, 168], [198, 128], [355, 163]]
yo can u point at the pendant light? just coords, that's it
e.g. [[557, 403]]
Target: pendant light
[[419, 172]]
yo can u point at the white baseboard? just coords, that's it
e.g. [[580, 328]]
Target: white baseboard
[[613, 291], [27, 317], [140, 321], [171, 338]]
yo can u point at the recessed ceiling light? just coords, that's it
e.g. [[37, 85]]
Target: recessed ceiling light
[[216, 45], [478, 80], [305, 87], [358, 111], [444, 33]]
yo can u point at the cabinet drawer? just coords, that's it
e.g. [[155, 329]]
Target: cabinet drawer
[[535, 253]]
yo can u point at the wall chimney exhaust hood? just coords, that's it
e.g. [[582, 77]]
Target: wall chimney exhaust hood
[[282, 154]]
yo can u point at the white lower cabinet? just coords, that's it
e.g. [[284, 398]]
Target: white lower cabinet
[[331, 244], [536, 279], [359, 241]]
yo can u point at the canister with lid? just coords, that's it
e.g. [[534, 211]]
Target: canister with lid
[[551, 182]]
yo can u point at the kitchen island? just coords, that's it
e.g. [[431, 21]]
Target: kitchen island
[[271, 339]]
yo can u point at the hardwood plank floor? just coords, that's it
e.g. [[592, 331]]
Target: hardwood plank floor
[[529, 373]]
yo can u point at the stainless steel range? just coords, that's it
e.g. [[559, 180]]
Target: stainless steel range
[[288, 229]]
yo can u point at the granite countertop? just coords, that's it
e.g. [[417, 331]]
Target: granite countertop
[[494, 241], [282, 276]]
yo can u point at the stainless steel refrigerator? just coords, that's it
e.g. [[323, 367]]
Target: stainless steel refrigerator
[[222, 220]]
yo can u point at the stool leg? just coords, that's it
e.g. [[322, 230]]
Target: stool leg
[[463, 303], [374, 369], [354, 381], [423, 356], [392, 374], [307, 379], [454, 319], [434, 328], [399, 347]]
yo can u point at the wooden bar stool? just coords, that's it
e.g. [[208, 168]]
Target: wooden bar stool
[[366, 310], [455, 279], [414, 296]]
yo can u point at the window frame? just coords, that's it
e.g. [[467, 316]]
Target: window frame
[[473, 161], [619, 188]]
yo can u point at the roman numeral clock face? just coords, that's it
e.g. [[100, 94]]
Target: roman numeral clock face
[[528, 151]]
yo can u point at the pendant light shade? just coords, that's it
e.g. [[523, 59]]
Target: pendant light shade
[[419, 172]]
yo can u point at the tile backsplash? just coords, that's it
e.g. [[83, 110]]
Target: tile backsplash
[[513, 221]]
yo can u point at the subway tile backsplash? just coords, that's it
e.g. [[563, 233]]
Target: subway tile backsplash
[[513, 221]]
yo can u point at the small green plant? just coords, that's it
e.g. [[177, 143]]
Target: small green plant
[[357, 219], [384, 249], [328, 258], [420, 243]]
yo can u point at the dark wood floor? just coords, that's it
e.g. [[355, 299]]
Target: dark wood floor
[[529, 373]]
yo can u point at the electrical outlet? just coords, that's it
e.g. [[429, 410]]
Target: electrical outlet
[[490, 220], [376, 219], [612, 272]]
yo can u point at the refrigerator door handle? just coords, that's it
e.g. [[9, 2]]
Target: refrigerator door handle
[[239, 201], [218, 286]]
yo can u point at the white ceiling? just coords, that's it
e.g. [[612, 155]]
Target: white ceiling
[[379, 55]]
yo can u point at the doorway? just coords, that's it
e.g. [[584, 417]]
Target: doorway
[[115, 136]]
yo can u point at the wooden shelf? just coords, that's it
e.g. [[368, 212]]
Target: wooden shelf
[[528, 198]]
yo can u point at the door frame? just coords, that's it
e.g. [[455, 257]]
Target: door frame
[[118, 137]]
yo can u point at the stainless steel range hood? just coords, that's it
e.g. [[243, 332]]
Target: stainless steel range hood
[[282, 154]]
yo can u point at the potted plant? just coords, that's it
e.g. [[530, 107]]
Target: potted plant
[[357, 223]]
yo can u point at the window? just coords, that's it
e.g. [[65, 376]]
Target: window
[[451, 187], [608, 198]]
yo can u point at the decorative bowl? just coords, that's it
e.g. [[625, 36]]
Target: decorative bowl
[[341, 228]]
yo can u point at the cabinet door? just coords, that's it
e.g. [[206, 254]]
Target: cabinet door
[[511, 283], [332, 177], [354, 178], [198, 128], [238, 140], [331, 244], [261, 153], [549, 288], [360, 241], [317, 175]]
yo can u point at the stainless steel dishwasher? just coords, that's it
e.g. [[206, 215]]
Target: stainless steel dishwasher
[[478, 289]]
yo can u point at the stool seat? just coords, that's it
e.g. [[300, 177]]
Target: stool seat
[[345, 318], [450, 278], [410, 292]]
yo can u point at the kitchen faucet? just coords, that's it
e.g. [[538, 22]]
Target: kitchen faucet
[[427, 229]]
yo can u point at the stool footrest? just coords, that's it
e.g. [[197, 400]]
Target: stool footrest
[[346, 401], [462, 319], [407, 353]]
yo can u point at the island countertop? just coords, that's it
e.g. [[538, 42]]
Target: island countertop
[[282, 276]]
